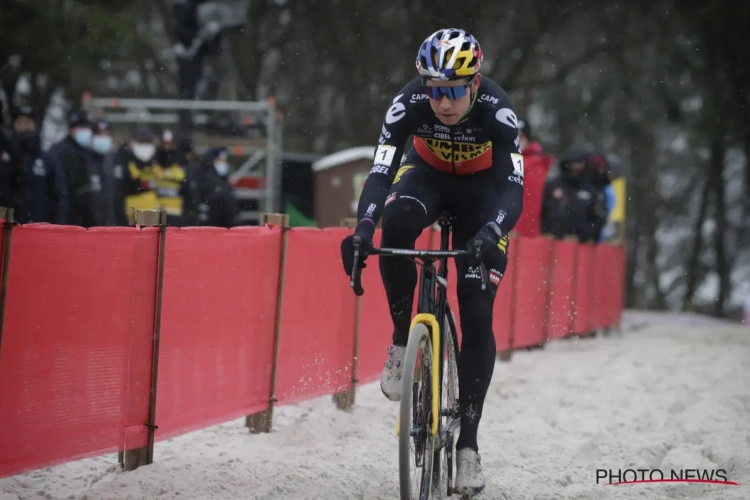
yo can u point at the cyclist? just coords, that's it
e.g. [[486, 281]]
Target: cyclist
[[466, 160]]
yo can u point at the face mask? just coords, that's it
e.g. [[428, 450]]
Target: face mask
[[143, 152], [102, 144], [222, 168], [83, 137]]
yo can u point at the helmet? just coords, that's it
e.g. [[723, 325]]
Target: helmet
[[449, 54]]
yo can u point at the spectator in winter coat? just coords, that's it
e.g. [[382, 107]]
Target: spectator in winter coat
[[170, 177], [600, 177], [217, 205], [102, 151], [137, 189], [572, 205], [38, 190], [83, 179], [536, 164]]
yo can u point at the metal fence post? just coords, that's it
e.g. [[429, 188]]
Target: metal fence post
[[132, 459], [263, 420], [7, 215]]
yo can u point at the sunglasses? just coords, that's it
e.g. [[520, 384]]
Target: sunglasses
[[452, 93]]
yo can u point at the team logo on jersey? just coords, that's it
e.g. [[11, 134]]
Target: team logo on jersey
[[495, 277], [402, 171], [457, 151], [503, 245], [488, 98]]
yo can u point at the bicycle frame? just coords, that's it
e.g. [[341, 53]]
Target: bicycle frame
[[432, 301]]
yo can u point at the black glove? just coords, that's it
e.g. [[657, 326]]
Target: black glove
[[365, 230], [493, 246]]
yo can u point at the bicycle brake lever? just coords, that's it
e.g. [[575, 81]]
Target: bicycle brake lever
[[356, 279], [482, 268]]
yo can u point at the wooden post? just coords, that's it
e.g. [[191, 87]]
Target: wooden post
[[7, 215], [132, 459], [507, 354], [345, 399], [263, 420]]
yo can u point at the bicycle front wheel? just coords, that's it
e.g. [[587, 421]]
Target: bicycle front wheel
[[416, 444], [444, 463]]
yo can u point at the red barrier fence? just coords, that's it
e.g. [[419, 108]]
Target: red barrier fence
[[80, 319]]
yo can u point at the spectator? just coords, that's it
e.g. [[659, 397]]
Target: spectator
[[572, 206], [86, 206], [217, 205], [101, 146], [170, 178], [137, 189], [536, 164], [600, 177], [38, 191], [10, 167], [615, 227], [186, 154]]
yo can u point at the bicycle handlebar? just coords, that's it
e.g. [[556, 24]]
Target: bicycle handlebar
[[356, 278]]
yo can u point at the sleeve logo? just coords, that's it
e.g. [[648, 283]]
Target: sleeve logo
[[507, 117], [396, 111]]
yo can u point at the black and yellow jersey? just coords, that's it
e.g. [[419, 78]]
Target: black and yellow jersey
[[486, 138], [138, 185], [150, 186], [169, 184]]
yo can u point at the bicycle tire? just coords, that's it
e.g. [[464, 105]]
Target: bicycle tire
[[448, 399], [419, 344]]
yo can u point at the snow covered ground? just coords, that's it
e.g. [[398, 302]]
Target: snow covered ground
[[675, 393]]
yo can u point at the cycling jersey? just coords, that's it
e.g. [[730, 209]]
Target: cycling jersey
[[486, 138]]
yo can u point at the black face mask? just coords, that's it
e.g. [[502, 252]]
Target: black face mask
[[28, 141]]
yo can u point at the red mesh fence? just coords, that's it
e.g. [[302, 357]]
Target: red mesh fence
[[562, 297], [582, 318], [318, 317], [600, 285], [75, 359], [532, 283], [217, 325]]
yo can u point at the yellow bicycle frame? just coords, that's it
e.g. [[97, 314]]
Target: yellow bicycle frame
[[429, 319]]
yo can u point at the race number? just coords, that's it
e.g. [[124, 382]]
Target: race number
[[517, 163], [384, 155]]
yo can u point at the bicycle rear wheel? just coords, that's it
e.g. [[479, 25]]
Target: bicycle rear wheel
[[416, 445]]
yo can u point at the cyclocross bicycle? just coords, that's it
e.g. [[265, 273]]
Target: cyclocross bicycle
[[429, 420]]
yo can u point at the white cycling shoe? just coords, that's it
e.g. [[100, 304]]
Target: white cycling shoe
[[390, 379], [469, 477]]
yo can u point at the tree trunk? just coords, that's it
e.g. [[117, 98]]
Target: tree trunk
[[692, 267], [722, 265]]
